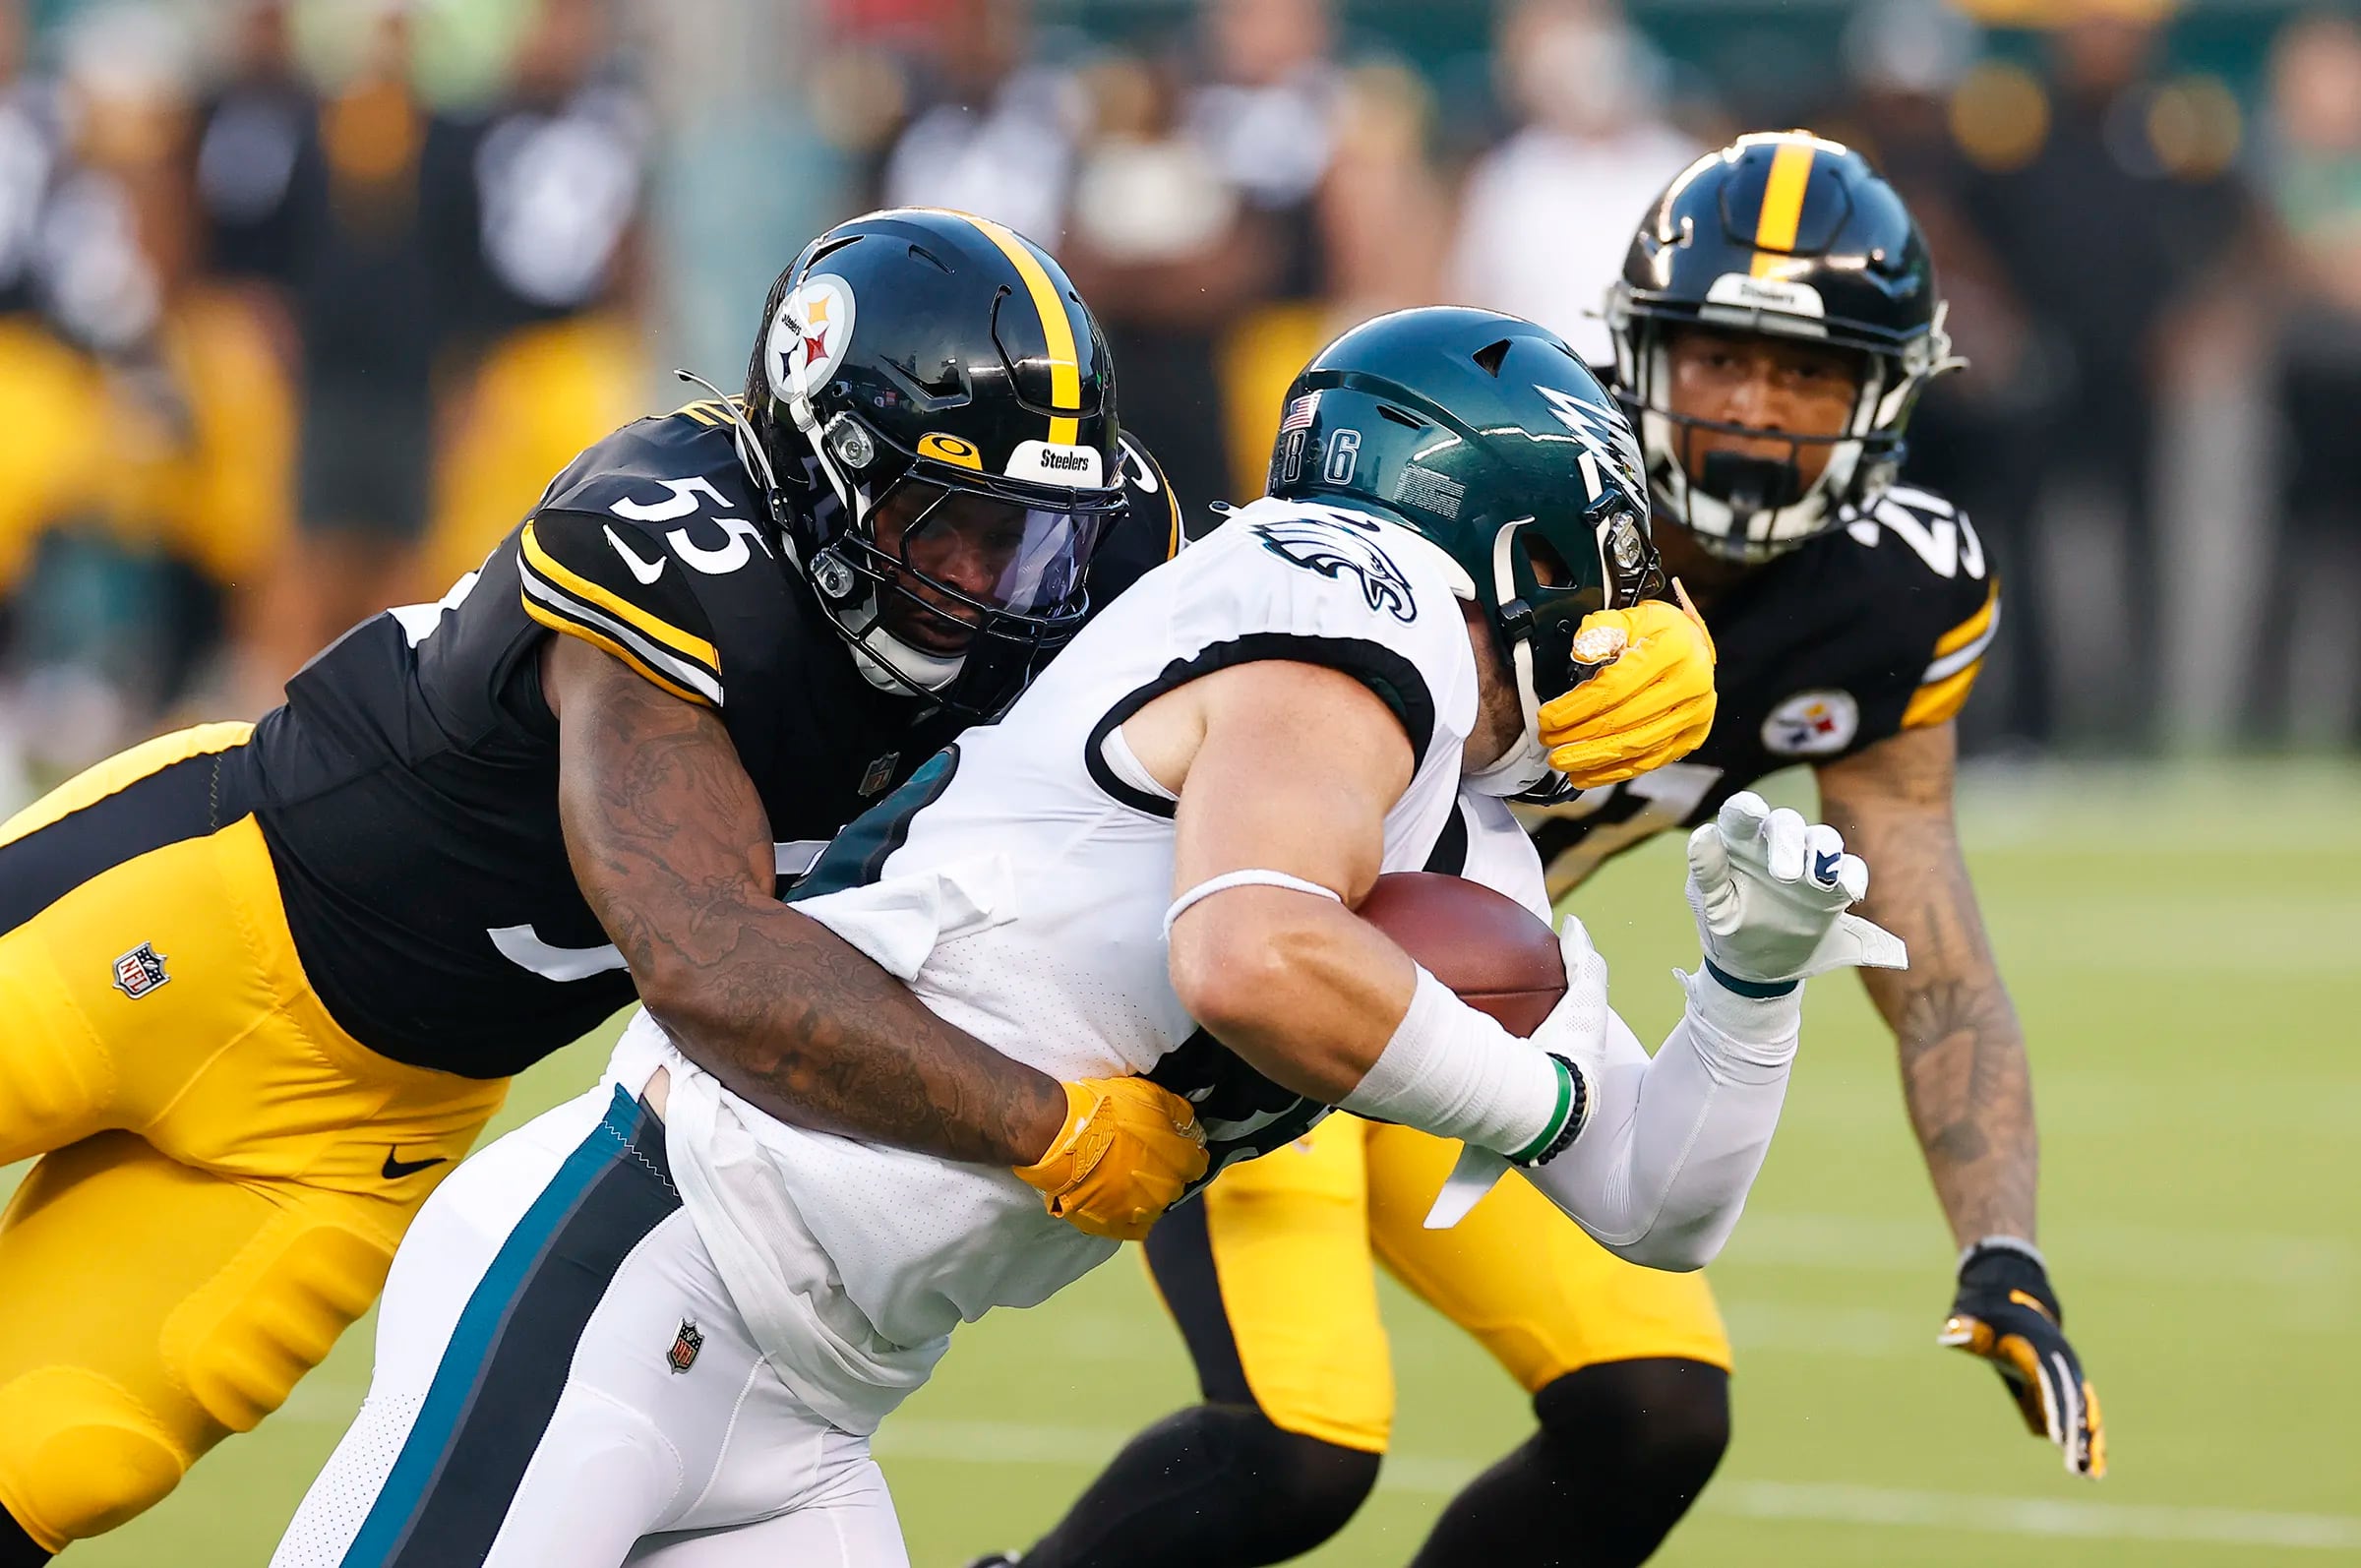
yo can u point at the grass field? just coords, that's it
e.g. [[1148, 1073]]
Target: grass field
[[2186, 951]]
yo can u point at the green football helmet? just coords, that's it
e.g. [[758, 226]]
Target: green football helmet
[[1489, 435]]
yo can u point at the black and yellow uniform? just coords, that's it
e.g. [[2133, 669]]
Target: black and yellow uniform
[[1877, 627], [1851, 638], [417, 759], [266, 985]]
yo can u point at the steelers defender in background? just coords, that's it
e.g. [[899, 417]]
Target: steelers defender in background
[[264, 984], [1777, 318]]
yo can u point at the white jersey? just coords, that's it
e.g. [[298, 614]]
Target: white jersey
[[1499, 853], [1018, 884]]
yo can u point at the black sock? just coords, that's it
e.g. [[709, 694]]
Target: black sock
[[1624, 1448], [18, 1548], [1214, 1484]]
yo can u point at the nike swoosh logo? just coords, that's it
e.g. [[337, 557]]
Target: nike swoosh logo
[[644, 570], [394, 1169]]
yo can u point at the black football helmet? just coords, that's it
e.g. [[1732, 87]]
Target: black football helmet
[[941, 388], [1789, 235]]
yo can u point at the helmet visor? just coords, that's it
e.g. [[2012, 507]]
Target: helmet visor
[[954, 562]]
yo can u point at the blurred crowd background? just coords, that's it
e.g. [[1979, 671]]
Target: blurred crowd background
[[303, 301]]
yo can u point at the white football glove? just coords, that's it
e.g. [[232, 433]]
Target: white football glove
[[1770, 894], [1575, 1030]]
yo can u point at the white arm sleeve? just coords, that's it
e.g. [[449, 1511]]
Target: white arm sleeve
[[1659, 1175]]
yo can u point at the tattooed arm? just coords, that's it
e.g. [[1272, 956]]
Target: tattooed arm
[[672, 847], [1964, 1073]]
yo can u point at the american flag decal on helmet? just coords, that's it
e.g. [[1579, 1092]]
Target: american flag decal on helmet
[[1299, 412], [140, 971]]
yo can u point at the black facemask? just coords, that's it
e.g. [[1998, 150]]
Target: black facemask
[[1752, 484]]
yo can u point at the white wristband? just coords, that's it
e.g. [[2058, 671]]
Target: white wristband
[[1455, 1073], [1252, 876]]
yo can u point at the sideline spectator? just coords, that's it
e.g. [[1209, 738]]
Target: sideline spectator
[[1972, 438], [38, 374], [258, 154], [177, 493], [997, 130], [366, 318], [1267, 114], [533, 218], [2314, 186], [2102, 238], [1547, 215], [1153, 218], [1385, 213], [43, 379]]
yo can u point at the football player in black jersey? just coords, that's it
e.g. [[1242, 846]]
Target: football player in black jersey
[[1777, 319], [266, 983]]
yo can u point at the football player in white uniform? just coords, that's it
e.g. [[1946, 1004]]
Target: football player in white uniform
[[656, 1326]]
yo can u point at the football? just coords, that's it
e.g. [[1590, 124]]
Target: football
[[1484, 945]]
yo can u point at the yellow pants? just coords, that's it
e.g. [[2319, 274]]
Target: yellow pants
[[1273, 1288], [225, 1173], [541, 395]]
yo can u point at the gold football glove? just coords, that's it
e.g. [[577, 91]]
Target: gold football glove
[[2007, 1313], [1126, 1153], [1652, 704]]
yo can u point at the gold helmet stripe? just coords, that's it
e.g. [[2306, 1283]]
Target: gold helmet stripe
[[1783, 204], [1057, 328]]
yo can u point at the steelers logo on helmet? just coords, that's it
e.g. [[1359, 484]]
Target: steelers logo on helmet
[[809, 335]]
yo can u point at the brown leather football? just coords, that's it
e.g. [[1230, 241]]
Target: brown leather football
[[1484, 945]]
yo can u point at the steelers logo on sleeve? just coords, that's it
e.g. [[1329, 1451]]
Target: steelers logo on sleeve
[[1812, 724]]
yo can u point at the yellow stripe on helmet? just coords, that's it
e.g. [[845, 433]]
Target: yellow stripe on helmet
[[1783, 204], [1056, 330]]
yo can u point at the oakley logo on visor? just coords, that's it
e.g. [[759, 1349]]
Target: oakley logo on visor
[[1078, 468], [950, 449]]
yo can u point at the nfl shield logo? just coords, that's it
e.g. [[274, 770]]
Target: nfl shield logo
[[879, 774], [140, 971], [685, 1346]]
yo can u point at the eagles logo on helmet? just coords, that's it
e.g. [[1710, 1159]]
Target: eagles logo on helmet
[[1791, 237]]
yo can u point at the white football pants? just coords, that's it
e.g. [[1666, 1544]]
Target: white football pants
[[561, 1382]]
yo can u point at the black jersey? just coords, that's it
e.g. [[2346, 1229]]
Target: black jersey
[[1877, 627], [408, 788]]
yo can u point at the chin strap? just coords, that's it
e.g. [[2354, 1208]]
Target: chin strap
[[1524, 767], [891, 665]]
